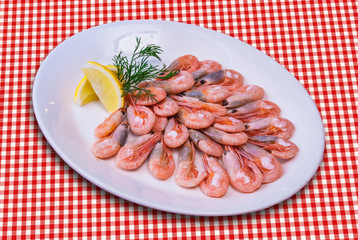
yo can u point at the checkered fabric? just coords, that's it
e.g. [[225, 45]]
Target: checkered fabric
[[41, 197]]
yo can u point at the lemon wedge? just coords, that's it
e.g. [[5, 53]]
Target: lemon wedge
[[105, 84], [84, 93], [112, 68]]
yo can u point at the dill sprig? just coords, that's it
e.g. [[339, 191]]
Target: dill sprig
[[136, 69], [169, 75]]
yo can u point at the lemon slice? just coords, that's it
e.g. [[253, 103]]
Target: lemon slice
[[105, 84]]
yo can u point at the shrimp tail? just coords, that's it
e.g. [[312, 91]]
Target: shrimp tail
[[192, 152], [206, 164], [167, 154]]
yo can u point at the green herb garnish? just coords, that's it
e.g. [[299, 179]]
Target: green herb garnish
[[169, 75], [136, 69]]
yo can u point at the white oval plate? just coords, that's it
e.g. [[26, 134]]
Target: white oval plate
[[69, 128]]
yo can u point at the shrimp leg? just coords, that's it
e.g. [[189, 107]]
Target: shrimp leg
[[187, 175]]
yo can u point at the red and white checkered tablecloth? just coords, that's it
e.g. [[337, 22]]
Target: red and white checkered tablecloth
[[42, 197]]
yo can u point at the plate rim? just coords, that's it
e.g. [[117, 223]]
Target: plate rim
[[83, 174]]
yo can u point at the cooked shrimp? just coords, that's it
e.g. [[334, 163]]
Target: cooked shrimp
[[196, 104], [133, 154], [110, 123], [161, 162], [205, 144], [234, 139], [160, 124], [229, 124], [175, 134], [255, 110], [278, 147], [141, 119], [109, 146], [206, 67], [244, 175], [269, 165], [187, 63], [158, 94], [243, 95], [275, 126], [230, 79], [208, 93], [187, 175], [233, 80], [217, 182], [168, 107], [212, 78], [174, 85], [195, 119]]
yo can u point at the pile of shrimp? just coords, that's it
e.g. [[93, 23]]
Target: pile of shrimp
[[205, 109]]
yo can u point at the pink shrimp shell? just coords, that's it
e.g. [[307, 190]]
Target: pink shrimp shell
[[217, 182], [168, 107]]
